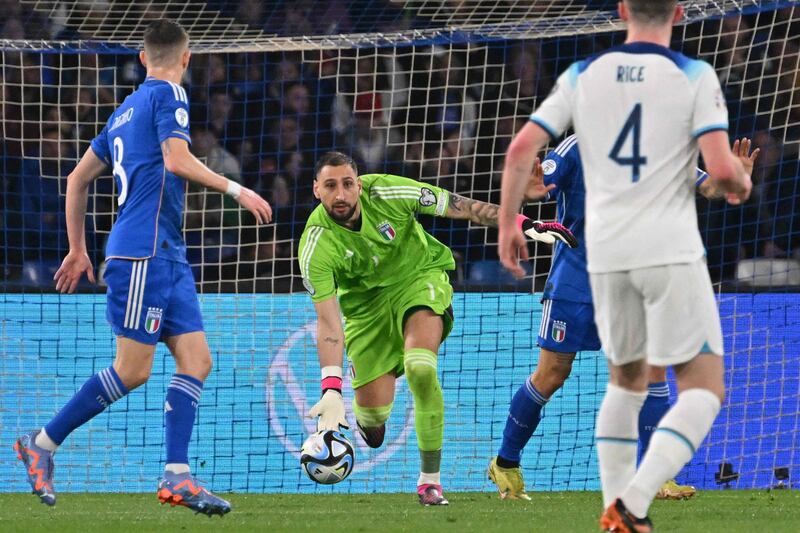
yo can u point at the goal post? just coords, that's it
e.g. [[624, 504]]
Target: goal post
[[425, 89]]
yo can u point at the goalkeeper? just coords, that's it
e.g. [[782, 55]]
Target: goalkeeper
[[363, 251]]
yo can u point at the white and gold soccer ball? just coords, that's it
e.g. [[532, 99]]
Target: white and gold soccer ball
[[327, 457]]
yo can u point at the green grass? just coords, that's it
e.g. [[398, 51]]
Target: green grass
[[709, 512]]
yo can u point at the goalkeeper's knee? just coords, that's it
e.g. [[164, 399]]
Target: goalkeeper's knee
[[372, 417], [420, 368]]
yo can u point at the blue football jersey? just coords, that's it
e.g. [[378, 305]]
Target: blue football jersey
[[150, 200], [569, 279]]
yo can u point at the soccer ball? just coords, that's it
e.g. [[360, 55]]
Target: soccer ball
[[327, 457]]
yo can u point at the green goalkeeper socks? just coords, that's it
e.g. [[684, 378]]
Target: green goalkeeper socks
[[420, 368], [372, 417]]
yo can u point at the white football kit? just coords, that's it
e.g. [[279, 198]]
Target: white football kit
[[637, 110]]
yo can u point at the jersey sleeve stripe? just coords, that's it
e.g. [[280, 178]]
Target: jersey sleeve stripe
[[311, 243], [178, 92], [545, 126], [182, 134], [174, 90], [399, 188], [304, 251], [310, 250], [442, 203], [389, 194], [702, 176], [566, 144], [709, 129], [397, 197]]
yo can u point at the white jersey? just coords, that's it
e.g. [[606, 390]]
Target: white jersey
[[638, 110]]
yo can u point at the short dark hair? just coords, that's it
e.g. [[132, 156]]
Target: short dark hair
[[334, 159], [651, 11], [163, 37]]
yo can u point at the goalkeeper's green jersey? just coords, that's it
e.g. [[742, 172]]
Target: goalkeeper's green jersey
[[389, 249]]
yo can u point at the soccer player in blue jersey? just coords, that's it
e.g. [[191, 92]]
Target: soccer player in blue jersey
[[151, 293], [568, 325]]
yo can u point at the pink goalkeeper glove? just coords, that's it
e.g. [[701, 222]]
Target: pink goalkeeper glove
[[546, 232]]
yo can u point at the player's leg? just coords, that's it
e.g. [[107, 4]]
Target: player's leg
[[566, 328], [655, 407], [423, 334], [182, 332], [372, 405], [127, 281], [524, 414], [375, 352], [424, 315], [620, 316], [683, 321]]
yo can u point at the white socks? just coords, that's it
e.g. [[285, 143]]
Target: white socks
[[44, 441], [429, 479], [673, 444], [617, 435], [176, 468]]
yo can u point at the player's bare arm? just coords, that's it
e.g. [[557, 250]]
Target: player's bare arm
[[462, 208], [330, 348], [180, 161], [519, 162], [485, 214], [741, 150], [77, 260]]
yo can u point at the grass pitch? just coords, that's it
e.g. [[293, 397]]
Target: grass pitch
[[709, 512]]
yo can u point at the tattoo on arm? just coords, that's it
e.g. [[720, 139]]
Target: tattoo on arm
[[165, 149], [476, 211], [331, 340]]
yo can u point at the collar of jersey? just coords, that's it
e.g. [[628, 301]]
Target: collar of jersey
[[641, 47]]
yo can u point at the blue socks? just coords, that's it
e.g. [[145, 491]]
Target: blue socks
[[523, 418], [99, 391], [655, 407], [183, 395]]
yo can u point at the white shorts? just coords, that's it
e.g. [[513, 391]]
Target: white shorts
[[665, 314]]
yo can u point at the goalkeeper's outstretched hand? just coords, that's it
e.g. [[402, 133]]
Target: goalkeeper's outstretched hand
[[330, 410], [546, 232]]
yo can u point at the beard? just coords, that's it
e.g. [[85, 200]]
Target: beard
[[346, 216]]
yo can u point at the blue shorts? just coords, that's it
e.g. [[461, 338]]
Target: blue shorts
[[568, 327], [150, 299]]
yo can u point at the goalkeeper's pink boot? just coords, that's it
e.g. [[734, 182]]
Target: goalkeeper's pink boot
[[430, 494]]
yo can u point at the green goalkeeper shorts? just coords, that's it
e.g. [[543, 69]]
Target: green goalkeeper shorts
[[373, 329]]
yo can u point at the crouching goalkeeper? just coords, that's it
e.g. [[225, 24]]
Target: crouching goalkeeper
[[364, 253]]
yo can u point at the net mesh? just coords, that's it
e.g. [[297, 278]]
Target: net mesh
[[429, 90]]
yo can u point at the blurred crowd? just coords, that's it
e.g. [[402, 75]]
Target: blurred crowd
[[441, 114]]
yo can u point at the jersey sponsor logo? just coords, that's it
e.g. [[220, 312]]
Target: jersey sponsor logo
[[549, 166], [152, 321], [309, 287], [559, 331], [288, 400], [181, 117], [426, 197], [122, 119], [387, 231]]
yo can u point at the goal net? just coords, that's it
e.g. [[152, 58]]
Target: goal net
[[425, 89]]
